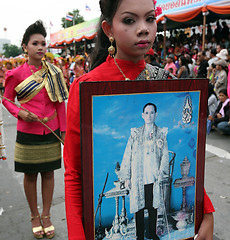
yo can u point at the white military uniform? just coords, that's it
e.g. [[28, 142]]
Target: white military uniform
[[145, 161]]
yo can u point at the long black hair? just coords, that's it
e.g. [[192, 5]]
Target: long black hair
[[100, 53], [184, 62], [34, 28]]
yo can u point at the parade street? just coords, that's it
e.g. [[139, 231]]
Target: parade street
[[14, 211]]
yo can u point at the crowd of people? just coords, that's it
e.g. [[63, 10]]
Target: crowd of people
[[71, 66], [184, 58]]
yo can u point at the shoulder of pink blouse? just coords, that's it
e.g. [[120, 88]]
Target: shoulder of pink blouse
[[13, 78]]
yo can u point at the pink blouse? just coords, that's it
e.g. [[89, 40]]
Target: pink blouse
[[41, 105]]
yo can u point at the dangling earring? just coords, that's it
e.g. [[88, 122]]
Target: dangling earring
[[25, 54], [111, 49]]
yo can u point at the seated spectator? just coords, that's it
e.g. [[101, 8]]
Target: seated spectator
[[213, 57], [170, 63], [212, 43], [212, 100], [195, 54], [202, 70], [183, 71], [211, 73], [177, 50], [159, 60], [191, 65], [220, 77], [220, 119], [150, 57]]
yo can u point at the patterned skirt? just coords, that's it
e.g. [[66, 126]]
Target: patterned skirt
[[37, 153]]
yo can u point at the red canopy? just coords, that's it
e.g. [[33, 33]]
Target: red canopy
[[190, 12]]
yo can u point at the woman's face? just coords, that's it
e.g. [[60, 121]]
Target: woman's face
[[36, 47], [134, 29], [222, 97]]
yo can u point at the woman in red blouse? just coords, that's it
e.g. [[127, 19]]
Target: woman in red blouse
[[132, 24]]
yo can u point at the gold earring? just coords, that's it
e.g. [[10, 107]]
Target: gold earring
[[26, 53], [111, 49]]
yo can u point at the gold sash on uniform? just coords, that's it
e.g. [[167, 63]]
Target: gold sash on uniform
[[52, 79]]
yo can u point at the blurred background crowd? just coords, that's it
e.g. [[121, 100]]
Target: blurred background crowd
[[184, 58]]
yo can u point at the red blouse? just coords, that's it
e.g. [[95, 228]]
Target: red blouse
[[72, 152]]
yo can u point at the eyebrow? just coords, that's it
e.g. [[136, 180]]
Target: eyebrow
[[151, 11], [38, 40]]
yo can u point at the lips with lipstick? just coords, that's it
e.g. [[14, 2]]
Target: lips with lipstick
[[143, 43]]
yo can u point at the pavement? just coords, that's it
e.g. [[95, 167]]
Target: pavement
[[14, 212], [217, 181]]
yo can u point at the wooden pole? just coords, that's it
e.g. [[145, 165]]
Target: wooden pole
[[85, 46], [164, 40], [66, 50], [74, 44], [39, 120], [204, 30]]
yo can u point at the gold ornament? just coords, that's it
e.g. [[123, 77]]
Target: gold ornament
[[26, 53], [45, 119], [146, 71], [37, 78], [120, 70], [111, 49]]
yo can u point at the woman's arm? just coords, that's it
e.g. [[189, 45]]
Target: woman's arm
[[219, 118], [206, 229], [10, 93], [72, 161], [180, 71]]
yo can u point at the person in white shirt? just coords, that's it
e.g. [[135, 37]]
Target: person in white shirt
[[213, 57]]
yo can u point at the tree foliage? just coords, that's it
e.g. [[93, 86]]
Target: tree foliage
[[11, 50], [77, 18]]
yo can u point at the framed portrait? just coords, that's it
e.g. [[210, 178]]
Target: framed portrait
[[143, 151]]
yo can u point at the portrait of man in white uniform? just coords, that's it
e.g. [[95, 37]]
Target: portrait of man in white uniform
[[144, 165]]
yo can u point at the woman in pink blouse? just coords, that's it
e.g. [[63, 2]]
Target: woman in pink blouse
[[40, 88]]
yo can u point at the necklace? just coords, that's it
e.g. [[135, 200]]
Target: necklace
[[120, 70], [146, 71], [37, 78]]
